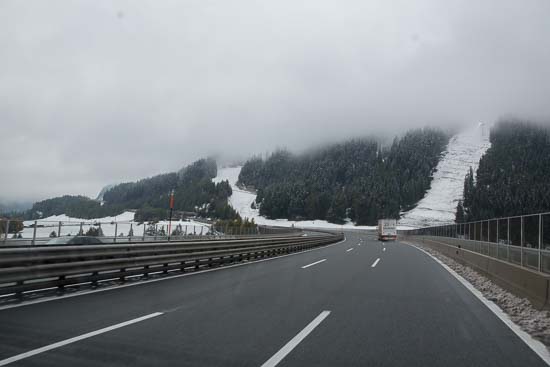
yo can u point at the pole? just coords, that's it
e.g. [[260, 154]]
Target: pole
[[34, 233], [171, 210], [521, 243], [540, 242], [7, 231]]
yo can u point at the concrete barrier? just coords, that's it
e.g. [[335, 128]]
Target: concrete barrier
[[520, 281]]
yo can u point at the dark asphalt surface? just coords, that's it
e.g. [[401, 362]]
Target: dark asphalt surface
[[406, 311]]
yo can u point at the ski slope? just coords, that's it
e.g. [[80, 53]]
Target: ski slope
[[439, 204], [241, 200]]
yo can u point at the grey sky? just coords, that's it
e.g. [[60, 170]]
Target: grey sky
[[96, 92]]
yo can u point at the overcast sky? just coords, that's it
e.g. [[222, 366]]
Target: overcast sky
[[97, 92]]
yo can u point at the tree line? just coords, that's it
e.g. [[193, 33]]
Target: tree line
[[193, 188], [513, 175], [357, 180]]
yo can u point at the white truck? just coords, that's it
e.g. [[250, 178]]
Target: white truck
[[387, 229]]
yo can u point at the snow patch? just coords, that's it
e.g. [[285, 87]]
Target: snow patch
[[122, 223], [241, 200], [439, 204]]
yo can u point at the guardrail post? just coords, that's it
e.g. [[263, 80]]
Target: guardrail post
[[34, 233], [80, 233]]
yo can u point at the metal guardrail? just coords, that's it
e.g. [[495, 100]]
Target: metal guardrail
[[523, 240], [35, 268]]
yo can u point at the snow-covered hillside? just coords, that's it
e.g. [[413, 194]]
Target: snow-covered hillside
[[437, 207], [241, 201], [439, 204], [124, 221]]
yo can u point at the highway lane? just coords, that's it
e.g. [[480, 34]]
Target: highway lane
[[391, 307]]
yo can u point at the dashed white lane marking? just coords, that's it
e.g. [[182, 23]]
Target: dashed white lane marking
[[288, 347], [375, 262], [75, 339], [315, 263], [349, 249], [384, 249]]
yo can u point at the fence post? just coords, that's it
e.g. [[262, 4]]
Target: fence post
[[131, 233], [59, 229], [498, 245], [34, 233], [7, 231], [143, 235], [508, 240], [116, 230], [540, 242], [80, 233], [521, 242]]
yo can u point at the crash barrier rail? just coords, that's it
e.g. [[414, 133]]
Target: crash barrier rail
[[523, 240], [34, 268], [522, 281], [39, 232]]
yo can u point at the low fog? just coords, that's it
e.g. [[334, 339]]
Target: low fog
[[100, 92]]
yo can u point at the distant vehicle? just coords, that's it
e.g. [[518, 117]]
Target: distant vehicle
[[75, 240], [387, 229]]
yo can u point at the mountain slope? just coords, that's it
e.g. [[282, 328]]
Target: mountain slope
[[512, 178], [357, 180], [439, 204], [241, 200]]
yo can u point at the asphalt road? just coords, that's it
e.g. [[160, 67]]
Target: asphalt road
[[406, 310]]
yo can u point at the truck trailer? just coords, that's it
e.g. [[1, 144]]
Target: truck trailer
[[387, 229]]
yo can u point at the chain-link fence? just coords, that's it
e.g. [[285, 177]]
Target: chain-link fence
[[523, 240]]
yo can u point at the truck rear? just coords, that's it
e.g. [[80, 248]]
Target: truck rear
[[387, 229]]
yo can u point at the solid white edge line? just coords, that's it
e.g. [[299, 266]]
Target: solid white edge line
[[315, 263], [288, 347], [75, 339], [349, 249], [539, 348], [375, 262], [141, 282]]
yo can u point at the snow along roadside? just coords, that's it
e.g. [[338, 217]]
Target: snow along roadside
[[530, 324]]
